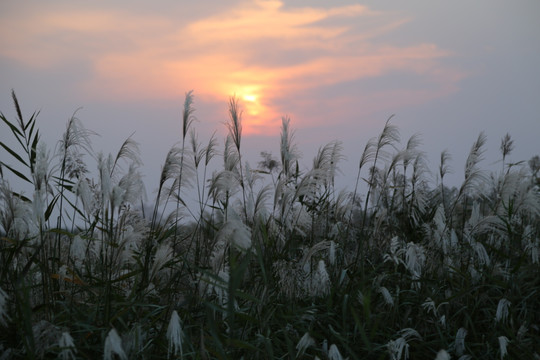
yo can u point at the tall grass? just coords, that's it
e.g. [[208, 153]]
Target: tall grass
[[272, 262]]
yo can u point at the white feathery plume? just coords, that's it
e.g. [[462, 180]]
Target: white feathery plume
[[409, 333], [325, 347], [217, 284], [221, 289], [41, 167], [218, 254], [333, 353], [235, 232], [133, 186], [162, 256], [241, 234], [503, 343], [475, 218], [38, 205], [502, 310], [4, 318], [327, 159], [105, 166], [396, 252], [480, 250], [135, 341], [288, 150], [444, 168], [332, 253], [259, 205], [474, 177], [132, 237], [87, 196], [117, 196], [23, 225], [439, 220], [429, 306], [230, 155], [442, 355], [63, 276], [78, 250], [459, 343], [530, 242], [174, 335], [305, 341], [224, 183], [386, 296], [320, 280], [360, 297], [129, 151], [76, 135], [67, 347], [398, 348], [46, 336], [113, 345], [521, 332], [442, 321], [171, 167], [533, 248], [415, 258]]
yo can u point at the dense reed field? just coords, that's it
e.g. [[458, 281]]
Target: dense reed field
[[272, 261]]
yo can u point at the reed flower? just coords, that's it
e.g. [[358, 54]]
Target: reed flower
[[503, 343], [332, 253], [396, 252], [234, 232], [502, 310], [38, 205], [320, 280], [333, 353], [163, 255], [41, 167], [398, 349], [386, 296], [459, 343], [288, 150], [415, 259], [78, 250], [305, 341], [174, 335], [113, 345], [532, 247], [67, 347], [88, 195], [442, 355], [46, 336]]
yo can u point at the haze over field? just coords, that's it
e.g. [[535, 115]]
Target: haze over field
[[339, 70]]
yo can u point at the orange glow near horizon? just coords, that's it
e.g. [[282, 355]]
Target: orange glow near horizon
[[260, 51]]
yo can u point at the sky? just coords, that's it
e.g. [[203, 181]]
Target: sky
[[338, 69]]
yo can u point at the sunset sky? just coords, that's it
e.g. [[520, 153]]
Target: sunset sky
[[338, 69]]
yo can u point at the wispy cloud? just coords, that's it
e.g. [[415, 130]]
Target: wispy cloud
[[261, 51]]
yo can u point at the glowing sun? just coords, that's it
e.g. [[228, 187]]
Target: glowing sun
[[250, 98]]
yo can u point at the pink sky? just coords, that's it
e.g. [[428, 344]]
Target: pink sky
[[336, 68]]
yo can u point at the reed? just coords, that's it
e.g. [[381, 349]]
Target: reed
[[272, 262]]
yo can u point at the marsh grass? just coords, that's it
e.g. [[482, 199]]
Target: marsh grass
[[273, 262]]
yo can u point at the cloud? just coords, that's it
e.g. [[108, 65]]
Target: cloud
[[261, 51]]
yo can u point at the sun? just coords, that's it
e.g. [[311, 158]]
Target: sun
[[250, 98], [252, 104]]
